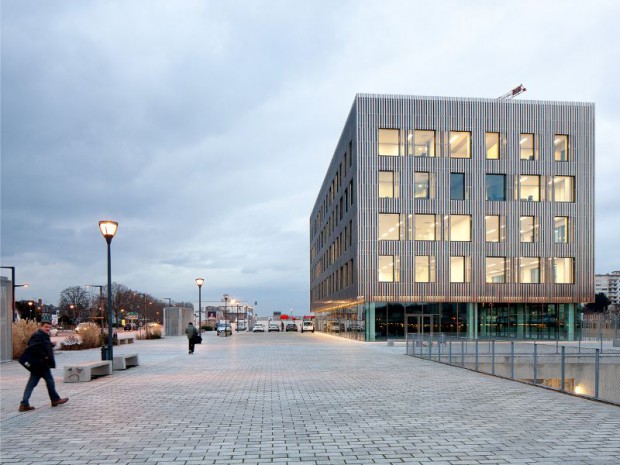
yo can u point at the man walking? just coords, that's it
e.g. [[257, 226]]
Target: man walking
[[191, 335], [41, 359]]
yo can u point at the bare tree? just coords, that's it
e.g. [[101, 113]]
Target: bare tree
[[75, 303]]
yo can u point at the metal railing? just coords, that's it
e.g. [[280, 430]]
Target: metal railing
[[587, 372]]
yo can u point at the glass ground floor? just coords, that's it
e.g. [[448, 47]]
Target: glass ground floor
[[380, 321]]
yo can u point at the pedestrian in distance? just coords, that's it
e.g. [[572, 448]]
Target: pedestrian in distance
[[192, 333], [38, 358]]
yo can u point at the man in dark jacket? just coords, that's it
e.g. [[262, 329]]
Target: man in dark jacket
[[191, 332], [42, 360]]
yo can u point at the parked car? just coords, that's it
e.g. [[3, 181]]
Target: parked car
[[273, 327], [83, 326], [241, 325], [131, 327], [258, 327], [307, 325], [224, 329], [291, 327]]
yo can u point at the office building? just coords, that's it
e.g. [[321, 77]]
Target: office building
[[472, 217]]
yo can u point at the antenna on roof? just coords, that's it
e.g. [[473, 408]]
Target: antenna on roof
[[513, 93]]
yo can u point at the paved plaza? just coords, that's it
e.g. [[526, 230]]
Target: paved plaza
[[301, 399]]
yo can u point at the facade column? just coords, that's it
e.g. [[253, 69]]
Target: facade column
[[570, 321], [472, 320], [520, 321], [370, 320]]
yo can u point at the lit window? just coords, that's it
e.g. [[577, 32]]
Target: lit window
[[422, 143], [424, 269], [492, 145], [389, 143], [389, 227], [458, 272], [496, 187], [460, 228], [563, 270], [527, 147], [492, 228], [529, 187], [527, 230], [560, 229], [460, 144], [560, 148], [563, 188], [457, 186], [425, 228], [529, 270], [388, 184], [422, 188], [495, 269], [388, 269]]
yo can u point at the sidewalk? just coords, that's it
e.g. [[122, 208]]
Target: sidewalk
[[302, 399]]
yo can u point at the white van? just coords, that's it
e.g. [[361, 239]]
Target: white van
[[307, 325]]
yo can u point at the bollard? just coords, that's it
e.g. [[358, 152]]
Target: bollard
[[563, 368], [476, 354], [450, 351], [596, 373], [512, 359], [462, 353], [535, 364], [493, 357]]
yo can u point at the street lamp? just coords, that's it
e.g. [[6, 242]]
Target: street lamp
[[13, 286], [200, 282], [108, 230]]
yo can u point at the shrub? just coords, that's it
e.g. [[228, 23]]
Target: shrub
[[71, 343], [22, 330], [91, 336]]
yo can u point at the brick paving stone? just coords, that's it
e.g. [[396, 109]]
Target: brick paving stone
[[306, 399]]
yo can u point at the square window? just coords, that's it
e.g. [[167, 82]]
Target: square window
[[563, 270], [496, 269], [527, 229], [457, 270], [460, 228], [495, 187], [529, 188], [422, 188], [424, 269], [389, 227], [422, 143], [564, 188], [492, 228], [389, 143], [560, 229], [457, 186], [492, 145], [527, 147], [460, 144], [560, 148], [529, 270], [425, 228]]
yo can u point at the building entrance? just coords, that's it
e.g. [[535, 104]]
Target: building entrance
[[420, 324]]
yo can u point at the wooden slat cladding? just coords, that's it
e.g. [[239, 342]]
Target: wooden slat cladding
[[358, 148]]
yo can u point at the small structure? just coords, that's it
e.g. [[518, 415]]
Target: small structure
[[176, 319]]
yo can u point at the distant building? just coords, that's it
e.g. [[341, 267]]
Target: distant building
[[455, 215], [608, 284]]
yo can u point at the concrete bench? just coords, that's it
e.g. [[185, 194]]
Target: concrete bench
[[85, 371], [129, 339], [122, 362]]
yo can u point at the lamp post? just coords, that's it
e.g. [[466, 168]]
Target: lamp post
[[169, 301], [108, 230], [13, 286], [100, 302], [200, 282]]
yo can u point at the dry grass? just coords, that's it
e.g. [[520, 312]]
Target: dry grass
[[22, 330], [150, 332], [91, 336]]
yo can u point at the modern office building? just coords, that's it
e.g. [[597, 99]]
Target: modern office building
[[608, 284], [456, 215]]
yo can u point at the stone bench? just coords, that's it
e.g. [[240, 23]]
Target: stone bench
[[85, 371], [122, 362], [129, 339]]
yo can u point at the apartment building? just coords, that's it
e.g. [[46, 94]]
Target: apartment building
[[464, 216], [608, 284]]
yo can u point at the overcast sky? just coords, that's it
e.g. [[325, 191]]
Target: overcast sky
[[205, 127]]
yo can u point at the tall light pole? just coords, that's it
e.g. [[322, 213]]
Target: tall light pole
[[200, 282], [13, 286], [108, 230], [100, 302]]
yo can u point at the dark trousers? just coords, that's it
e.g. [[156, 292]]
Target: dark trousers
[[46, 374], [191, 344]]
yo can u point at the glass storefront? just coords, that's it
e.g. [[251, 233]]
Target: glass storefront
[[380, 321]]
